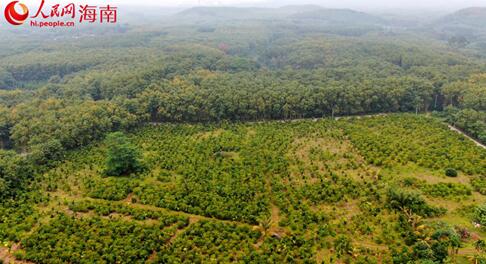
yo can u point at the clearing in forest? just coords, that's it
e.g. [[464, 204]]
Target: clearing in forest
[[296, 191]]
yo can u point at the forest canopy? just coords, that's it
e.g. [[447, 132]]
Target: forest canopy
[[297, 134]]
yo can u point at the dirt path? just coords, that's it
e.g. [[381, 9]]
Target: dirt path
[[479, 144], [7, 257], [178, 232], [192, 217]]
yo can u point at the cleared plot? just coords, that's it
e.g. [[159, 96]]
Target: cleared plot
[[277, 191], [107, 209], [402, 139], [218, 174], [66, 239], [322, 155], [211, 241]]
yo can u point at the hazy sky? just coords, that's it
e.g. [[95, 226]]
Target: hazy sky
[[373, 4], [353, 4]]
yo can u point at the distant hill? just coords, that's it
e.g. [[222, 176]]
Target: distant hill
[[223, 12], [304, 12], [246, 11], [469, 22], [465, 28], [346, 16], [473, 16]]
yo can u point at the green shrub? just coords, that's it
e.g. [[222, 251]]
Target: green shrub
[[480, 215], [113, 189], [19, 255], [447, 190], [98, 240], [123, 157], [449, 172], [479, 185], [343, 245], [410, 200]]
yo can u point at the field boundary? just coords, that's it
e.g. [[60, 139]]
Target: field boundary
[[455, 129]]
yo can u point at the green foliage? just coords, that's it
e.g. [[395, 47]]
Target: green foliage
[[479, 184], [15, 171], [466, 108], [409, 200], [480, 215], [471, 121], [209, 240], [480, 245], [308, 180], [404, 139], [449, 172], [298, 183], [432, 246], [122, 157], [47, 153], [293, 248], [447, 190], [103, 208], [78, 98], [343, 245], [114, 189], [443, 240], [94, 239], [16, 218]]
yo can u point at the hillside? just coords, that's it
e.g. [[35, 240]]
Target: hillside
[[298, 134], [223, 12], [290, 13], [346, 16], [468, 23], [317, 191], [473, 17]]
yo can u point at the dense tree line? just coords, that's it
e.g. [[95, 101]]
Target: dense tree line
[[94, 240], [380, 145], [466, 106], [15, 172], [281, 78], [472, 121], [325, 191], [307, 172]]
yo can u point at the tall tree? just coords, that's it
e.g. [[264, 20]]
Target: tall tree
[[123, 156]]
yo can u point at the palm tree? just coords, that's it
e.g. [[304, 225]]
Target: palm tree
[[480, 247], [265, 223]]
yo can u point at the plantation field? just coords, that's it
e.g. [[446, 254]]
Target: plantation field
[[379, 189]]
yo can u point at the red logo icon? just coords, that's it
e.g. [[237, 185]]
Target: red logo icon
[[13, 17], [17, 13]]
